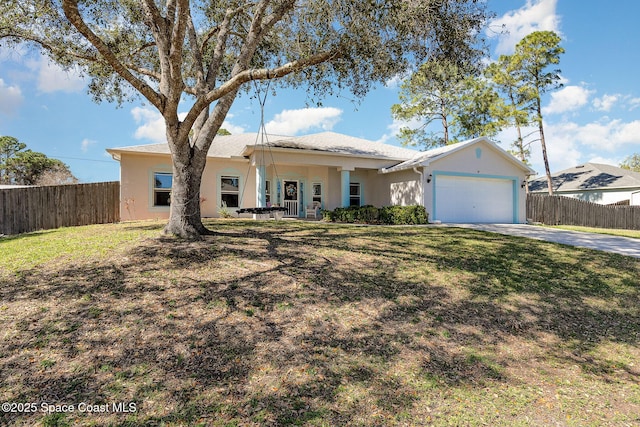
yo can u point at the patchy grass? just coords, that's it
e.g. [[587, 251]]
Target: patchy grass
[[614, 232], [295, 323]]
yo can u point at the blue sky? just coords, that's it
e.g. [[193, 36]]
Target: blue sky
[[594, 117]]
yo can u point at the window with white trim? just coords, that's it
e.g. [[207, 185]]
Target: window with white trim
[[267, 192], [230, 191], [355, 194], [316, 189], [162, 188]]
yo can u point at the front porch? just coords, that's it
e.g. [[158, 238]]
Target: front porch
[[300, 189]]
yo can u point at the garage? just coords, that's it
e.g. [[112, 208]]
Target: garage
[[471, 199], [473, 181]]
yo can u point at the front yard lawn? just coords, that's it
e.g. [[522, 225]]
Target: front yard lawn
[[299, 323]]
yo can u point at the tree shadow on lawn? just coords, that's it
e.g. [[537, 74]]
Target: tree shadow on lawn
[[337, 325]]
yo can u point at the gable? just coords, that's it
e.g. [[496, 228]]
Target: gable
[[478, 155], [480, 158]]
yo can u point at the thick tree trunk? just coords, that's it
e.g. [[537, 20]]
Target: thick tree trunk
[[185, 219]]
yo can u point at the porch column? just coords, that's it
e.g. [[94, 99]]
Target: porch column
[[345, 180], [261, 186]]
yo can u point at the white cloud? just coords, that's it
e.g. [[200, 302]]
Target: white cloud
[[605, 102], [570, 144], [395, 126], [563, 149], [151, 123], [395, 81], [233, 129], [605, 160], [535, 15], [569, 98], [52, 78], [634, 103], [290, 122], [607, 135], [10, 98], [86, 144], [152, 126]]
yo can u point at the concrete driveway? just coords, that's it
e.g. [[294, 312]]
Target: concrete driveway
[[601, 242]]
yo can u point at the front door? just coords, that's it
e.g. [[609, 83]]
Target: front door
[[291, 196]]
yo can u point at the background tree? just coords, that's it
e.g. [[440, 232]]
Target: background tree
[[9, 147], [205, 51], [479, 110], [59, 174], [21, 166], [502, 74], [533, 57], [442, 91], [631, 163], [427, 96]]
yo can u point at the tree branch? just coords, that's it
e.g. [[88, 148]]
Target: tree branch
[[196, 52], [221, 44], [234, 83], [177, 44], [72, 13]]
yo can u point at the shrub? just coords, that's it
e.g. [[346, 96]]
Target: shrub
[[394, 215]]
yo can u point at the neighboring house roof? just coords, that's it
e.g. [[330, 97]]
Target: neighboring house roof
[[589, 176], [230, 146], [427, 157]]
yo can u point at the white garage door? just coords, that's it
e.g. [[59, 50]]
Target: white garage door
[[470, 199]]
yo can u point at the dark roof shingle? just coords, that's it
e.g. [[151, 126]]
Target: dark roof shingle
[[589, 176]]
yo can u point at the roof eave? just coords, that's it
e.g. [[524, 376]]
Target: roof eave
[[250, 149]]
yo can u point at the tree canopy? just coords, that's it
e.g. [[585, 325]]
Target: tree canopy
[[21, 166], [204, 51], [504, 76], [456, 96], [632, 162], [534, 58]]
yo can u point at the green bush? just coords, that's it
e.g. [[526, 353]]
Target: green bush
[[393, 215]]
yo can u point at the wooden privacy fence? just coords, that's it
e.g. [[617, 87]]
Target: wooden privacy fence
[[558, 210], [40, 208]]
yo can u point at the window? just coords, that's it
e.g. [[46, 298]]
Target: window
[[267, 192], [316, 188], [354, 194], [162, 188], [230, 191]]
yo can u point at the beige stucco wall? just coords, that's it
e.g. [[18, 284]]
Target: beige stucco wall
[[404, 188], [137, 169], [136, 185], [399, 188], [490, 163]]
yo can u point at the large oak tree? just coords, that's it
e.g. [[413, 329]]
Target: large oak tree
[[167, 51]]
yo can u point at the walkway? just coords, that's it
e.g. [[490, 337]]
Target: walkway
[[603, 242]]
